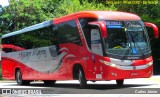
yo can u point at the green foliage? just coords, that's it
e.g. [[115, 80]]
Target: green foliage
[[148, 12], [29, 12], [71, 6]]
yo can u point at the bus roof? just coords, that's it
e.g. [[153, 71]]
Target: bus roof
[[107, 15], [30, 28]]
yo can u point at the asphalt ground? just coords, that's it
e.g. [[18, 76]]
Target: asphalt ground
[[131, 88]]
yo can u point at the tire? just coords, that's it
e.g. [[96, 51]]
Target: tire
[[82, 79], [19, 79], [49, 82], [120, 82]]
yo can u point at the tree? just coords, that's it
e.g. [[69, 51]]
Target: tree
[[24, 13], [1, 19], [148, 12], [71, 6]]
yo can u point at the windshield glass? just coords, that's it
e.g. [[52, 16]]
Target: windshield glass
[[126, 38]]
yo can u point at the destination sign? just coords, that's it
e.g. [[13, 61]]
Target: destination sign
[[113, 23]]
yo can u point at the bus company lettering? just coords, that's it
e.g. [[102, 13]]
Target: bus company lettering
[[133, 25], [24, 55], [39, 53], [33, 53], [113, 23]]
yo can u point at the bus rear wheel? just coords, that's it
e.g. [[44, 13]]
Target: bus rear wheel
[[49, 82], [120, 82], [19, 79], [82, 79]]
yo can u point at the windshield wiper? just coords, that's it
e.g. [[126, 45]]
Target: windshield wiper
[[135, 43]]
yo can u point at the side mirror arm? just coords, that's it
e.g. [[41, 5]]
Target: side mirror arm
[[155, 28], [102, 27]]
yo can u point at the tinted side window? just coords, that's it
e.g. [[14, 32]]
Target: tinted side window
[[9, 44], [53, 36], [71, 32], [33, 39], [39, 38], [86, 29], [60, 31]]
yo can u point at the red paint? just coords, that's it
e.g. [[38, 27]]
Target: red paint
[[17, 48], [142, 62], [155, 28], [102, 27], [109, 15]]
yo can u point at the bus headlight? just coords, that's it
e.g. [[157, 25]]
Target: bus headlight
[[113, 65], [150, 63], [108, 63]]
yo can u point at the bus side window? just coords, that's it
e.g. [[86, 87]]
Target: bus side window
[[42, 37], [53, 35], [61, 37], [27, 40], [10, 42], [71, 32], [86, 29], [5, 41]]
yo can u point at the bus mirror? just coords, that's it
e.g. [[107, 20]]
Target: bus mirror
[[101, 26], [155, 28]]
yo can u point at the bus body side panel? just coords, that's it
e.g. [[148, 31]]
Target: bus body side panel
[[89, 66], [69, 54], [95, 70], [73, 56], [7, 68]]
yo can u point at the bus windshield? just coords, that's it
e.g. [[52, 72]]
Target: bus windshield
[[126, 38]]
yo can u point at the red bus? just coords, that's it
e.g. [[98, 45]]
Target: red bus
[[84, 46]]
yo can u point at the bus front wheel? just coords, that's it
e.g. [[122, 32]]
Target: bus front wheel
[[82, 79], [19, 79], [120, 82]]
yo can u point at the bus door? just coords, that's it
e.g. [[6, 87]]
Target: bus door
[[96, 44], [97, 51]]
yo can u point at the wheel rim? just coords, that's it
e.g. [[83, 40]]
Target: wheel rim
[[19, 77], [80, 76]]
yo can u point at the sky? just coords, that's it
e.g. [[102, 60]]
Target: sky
[[4, 2]]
